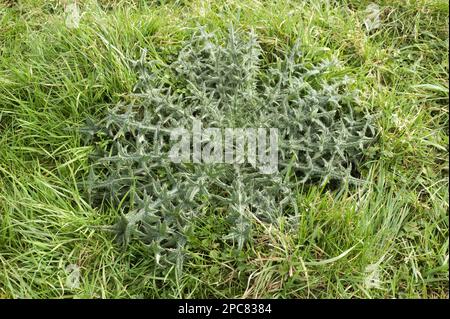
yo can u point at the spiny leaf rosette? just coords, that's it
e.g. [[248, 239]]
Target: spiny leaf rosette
[[320, 139]]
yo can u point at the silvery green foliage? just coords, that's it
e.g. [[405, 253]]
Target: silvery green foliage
[[321, 139]]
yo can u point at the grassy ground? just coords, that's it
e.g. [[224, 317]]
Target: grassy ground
[[396, 225]]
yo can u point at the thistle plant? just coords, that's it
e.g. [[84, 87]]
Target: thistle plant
[[224, 85]]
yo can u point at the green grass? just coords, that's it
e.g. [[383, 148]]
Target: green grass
[[385, 239]]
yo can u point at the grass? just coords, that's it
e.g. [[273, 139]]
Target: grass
[[386, 239]]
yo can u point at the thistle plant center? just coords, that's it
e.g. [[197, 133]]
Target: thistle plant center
[[256, 146]]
